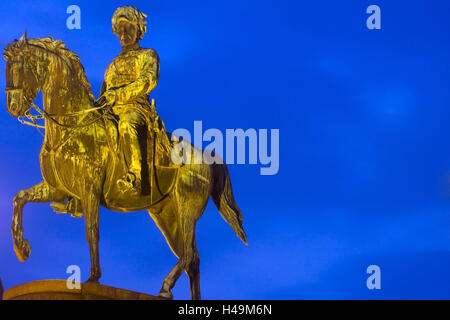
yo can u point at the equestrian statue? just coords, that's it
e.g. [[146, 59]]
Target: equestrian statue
[[114, 151]]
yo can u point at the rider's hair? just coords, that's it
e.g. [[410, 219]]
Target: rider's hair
[[132, 15]]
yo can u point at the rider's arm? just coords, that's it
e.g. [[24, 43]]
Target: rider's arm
[[146, 81], [101, 99]]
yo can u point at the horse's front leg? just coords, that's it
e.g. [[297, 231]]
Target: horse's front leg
[[41, 192], [91, 205]]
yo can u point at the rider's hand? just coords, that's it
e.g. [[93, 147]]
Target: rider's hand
[[107, 98]]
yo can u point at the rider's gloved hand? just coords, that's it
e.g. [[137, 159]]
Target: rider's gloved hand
[[107, 98]]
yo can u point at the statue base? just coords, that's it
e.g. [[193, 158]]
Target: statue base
[[57, 290]]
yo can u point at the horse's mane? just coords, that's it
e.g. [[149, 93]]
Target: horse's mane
[[69, 57]]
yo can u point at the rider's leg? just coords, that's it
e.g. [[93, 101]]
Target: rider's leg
[[133, 135]]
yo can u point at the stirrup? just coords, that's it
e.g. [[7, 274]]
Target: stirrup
[[129, 182]]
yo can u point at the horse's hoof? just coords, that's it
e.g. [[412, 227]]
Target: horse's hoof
[[166, 295], [23, 250]]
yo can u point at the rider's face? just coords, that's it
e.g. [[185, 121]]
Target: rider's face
[[127, 33]]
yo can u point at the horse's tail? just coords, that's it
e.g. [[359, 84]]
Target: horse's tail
[[222, 195]]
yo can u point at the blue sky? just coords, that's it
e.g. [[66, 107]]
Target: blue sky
[[364, 159]]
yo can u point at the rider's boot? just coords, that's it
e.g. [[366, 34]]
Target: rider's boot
[[132, 179]]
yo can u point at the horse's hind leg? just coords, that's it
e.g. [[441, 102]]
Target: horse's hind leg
[[193, 272], [168, 223], [41, 192], [170, 279], [179, 233], [188, 262]]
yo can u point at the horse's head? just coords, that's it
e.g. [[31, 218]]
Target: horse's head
[[44, 63], [22, 78]]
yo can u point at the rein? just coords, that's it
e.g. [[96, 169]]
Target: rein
[[51, 117], [43, 114]]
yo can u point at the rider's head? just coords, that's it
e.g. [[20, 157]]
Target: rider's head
[[129, 25]]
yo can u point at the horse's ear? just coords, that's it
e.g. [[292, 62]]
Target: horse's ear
[[23, 39]]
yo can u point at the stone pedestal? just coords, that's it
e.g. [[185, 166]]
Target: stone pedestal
[[57, 290]]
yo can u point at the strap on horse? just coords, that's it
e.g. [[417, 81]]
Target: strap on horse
[[162, 177]]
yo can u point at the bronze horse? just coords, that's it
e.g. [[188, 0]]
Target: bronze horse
[[77, 161]]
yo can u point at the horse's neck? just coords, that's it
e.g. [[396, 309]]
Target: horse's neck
[[63, 91], [61, 101]]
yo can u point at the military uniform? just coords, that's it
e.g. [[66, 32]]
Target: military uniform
[[132, 75]]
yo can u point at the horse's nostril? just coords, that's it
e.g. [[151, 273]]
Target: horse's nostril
[[14, 109], [13, 106]]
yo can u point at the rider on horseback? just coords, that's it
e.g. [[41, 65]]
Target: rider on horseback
[[126, 88], [128, 81]]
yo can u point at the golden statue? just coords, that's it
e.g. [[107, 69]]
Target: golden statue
[[128, 82], [113, 152]]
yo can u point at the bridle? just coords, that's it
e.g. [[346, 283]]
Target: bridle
[[52, 117]]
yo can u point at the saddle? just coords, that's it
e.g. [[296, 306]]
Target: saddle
[[159, 172]]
